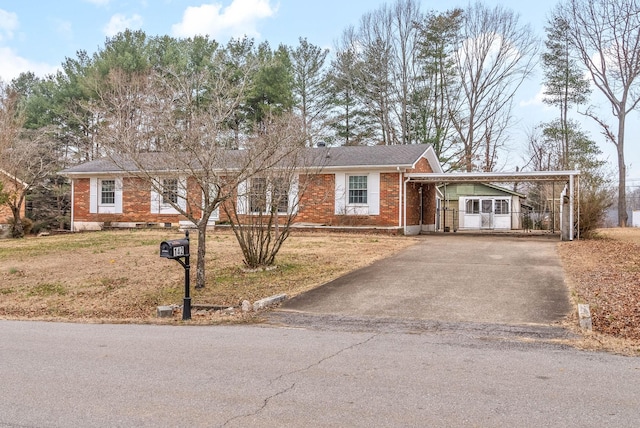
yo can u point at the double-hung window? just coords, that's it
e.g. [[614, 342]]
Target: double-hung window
[[268, 195], [280, 195], [258, 195], [107, 192], [358, 189], [169, 191], [501, 206]]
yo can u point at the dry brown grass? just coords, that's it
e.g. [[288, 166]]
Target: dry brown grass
[[118, 276], [605, 273]]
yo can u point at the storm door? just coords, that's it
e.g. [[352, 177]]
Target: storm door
[[486, 214]]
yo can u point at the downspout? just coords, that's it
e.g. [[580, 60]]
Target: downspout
[[73, 203], [400, 197], [578, 195], [405, 204], [421, 207]]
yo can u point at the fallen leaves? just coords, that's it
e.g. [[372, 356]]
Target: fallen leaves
[[605, 274]]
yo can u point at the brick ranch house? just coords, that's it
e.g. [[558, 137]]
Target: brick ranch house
[[355, 187]]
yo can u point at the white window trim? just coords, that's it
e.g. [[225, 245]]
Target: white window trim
[[342, 205], [157, 204], [244, 198], [95, 196]]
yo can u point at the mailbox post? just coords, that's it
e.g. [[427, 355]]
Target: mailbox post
[[176, 250]]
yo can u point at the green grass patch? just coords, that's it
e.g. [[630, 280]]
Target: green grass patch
[[98, 242], [48, 289]]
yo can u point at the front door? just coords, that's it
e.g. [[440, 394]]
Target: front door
[[486, 214]]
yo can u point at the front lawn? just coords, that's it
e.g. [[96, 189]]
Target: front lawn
[[118, 276]]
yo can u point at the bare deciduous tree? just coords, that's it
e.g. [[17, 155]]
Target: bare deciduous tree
[[172, 127], [267, 202], [606, 35], [495, 55], [24, 156], [385, 48]]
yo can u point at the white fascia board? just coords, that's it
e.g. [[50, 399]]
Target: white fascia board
[[430, 155]]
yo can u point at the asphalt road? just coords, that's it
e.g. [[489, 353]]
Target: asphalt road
[[75, 375]]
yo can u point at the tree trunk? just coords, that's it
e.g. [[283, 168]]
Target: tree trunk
[[202, 251], [622, 173], [17, 228]]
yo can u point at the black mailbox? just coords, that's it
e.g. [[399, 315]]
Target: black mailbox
[[174, 249]]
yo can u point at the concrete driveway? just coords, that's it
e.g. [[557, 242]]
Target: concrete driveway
[[452, 278]]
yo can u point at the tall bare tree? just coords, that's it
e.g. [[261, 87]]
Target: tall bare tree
[[385, 45], [496, 54], [606, 36]]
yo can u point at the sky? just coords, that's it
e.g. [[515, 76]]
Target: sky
[[38, 35]]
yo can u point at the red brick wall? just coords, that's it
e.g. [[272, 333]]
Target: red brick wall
[[429, 201], [136, 204], [413, 204], [422, 166], [317, 204], [389, 198]]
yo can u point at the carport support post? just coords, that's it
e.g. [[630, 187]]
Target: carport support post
[[571, 190]]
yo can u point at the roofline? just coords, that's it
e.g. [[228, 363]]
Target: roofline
[[493, 186], [393, 167], [461, 177], [13, 177], [432, 158], [81, 174]]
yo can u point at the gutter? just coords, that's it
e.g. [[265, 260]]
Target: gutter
[[405, 204], [73, 204]]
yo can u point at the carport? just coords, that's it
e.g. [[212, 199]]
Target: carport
[[569, 207]]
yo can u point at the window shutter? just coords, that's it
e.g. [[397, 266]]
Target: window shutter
[[156, 198], [182, 193], [373, 193], [118, 196], [293, 195], [243, 200], [93, 195], [341, 194]]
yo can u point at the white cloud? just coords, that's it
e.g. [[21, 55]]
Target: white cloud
[[537, 99], [11, 65], [120, 22], [238, 19], [8, 24]]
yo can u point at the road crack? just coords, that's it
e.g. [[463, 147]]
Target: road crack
[[283, 391]]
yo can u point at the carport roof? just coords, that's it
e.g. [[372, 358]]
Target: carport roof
[[492, 177]]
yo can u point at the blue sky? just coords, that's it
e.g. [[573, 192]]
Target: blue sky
[[38, 35]]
